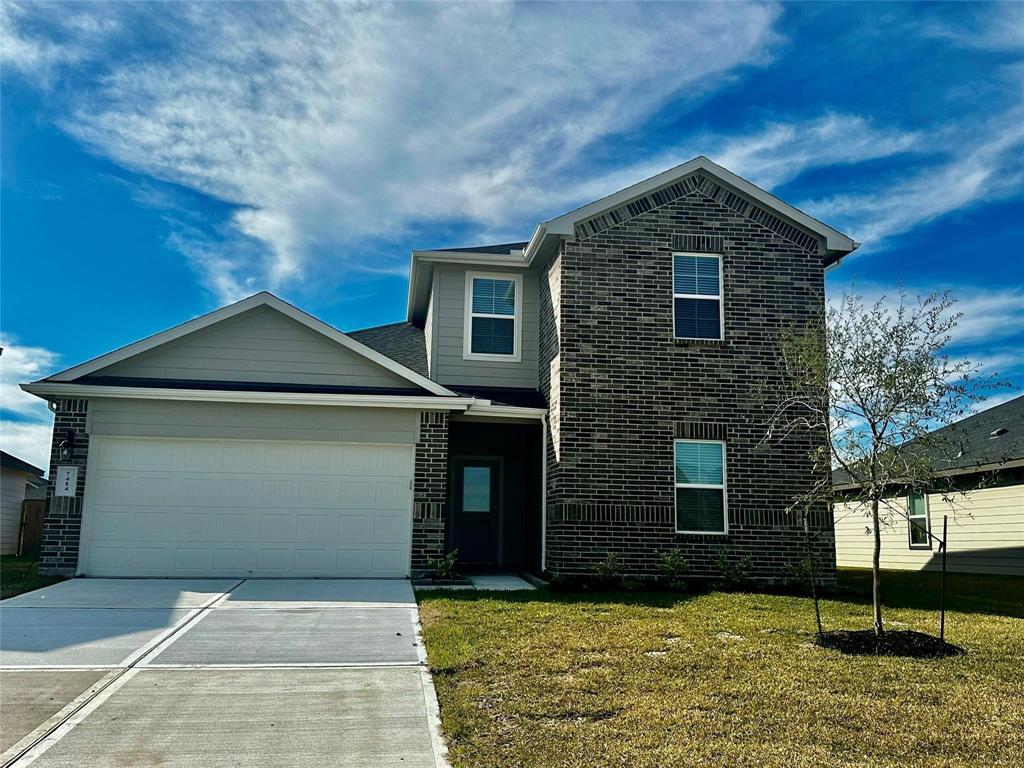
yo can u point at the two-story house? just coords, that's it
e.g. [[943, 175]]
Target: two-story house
[[598, 388]]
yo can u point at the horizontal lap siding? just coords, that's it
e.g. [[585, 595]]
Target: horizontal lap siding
[[448, 335], [260, 345], [245, 421], [986, 534], [12, 493]]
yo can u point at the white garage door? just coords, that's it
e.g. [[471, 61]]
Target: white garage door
[[162, 507]]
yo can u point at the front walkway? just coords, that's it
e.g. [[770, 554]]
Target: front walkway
[[114, 672]]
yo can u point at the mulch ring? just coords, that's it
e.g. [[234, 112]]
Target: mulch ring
[[917, 645]]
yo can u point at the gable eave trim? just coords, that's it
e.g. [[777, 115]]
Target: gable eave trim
[[224, 313], [835, 241]]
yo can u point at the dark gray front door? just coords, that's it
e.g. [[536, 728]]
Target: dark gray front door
[[476, 510]]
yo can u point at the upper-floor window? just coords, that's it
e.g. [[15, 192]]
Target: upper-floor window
[[700, 487], [697, 295], [917, 517], [493, 316]]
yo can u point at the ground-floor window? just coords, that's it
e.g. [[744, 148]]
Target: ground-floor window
[[701, 505], [917, 515]]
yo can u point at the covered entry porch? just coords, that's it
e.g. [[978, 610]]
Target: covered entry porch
[[495, 499]]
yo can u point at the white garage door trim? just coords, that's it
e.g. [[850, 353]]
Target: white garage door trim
[[333, 509]]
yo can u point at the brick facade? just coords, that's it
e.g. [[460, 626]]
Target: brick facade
[[62, 524], [430, 490], [626, 388]]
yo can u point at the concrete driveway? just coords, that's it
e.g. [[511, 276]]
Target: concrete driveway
[[203, 672]]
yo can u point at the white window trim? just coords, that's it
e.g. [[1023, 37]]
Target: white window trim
[[516, 317], [722, 488], [720, 299], [927, 524]]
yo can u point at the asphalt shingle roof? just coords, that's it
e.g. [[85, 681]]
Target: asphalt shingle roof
[[994, 436], [405, 343], [402, 342], [7, 461]]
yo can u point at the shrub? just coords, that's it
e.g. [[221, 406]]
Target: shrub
[[796, 575], [444, 566], [673, 566], [610, 570], [734, 572]]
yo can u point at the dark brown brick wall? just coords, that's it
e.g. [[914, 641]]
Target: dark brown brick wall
[[628, 388], [62, 525], [430, 492]]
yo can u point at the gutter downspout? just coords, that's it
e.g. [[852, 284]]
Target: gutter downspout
[[543, 492]]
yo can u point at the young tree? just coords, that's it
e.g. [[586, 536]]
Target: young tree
[[871, 378]]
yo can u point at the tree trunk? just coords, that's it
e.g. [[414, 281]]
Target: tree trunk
[[876, 571]]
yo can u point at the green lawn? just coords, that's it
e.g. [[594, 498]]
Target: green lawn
[[19, 574], [652, 679]]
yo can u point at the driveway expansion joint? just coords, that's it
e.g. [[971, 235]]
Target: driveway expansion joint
[[37, 742]]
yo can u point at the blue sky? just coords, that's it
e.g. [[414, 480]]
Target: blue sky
[[160, 160]]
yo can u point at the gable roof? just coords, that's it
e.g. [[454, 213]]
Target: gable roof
[[697, 175], [568, 223], [262, 299], [7, 461], [985, 440]]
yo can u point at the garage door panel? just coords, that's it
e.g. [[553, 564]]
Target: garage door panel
[[385, 560], [349, 561], [276, 559], [234, 560], [389, 529], [111, 525], [391, 495], [313, 560], [242, 508], [192, 558]]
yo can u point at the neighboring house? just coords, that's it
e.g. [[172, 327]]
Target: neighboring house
[[18, 481], [980, 462], [592, 390]]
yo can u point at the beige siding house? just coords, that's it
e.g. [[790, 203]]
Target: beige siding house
[[17, 479], [984, 507]]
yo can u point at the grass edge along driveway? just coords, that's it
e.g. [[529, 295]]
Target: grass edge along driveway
[[21, 574], [652, 679]]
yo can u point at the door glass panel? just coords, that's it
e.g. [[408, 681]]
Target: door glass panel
[[476, 489]]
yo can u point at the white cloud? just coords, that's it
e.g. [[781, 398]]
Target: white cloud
[[773, 153], [330, 123], [989, 315], [989, 334], [29, 441], [990, 26], [782, 151], [66, 33], [994, 400], [27, 436], [977, 164], [19, 364]]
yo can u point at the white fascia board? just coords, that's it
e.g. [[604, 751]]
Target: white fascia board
[[490, 410], [45, 390], [513, 259], [257, 300], [566, 224]]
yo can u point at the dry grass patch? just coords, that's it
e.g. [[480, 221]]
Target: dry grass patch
[[652, 679]]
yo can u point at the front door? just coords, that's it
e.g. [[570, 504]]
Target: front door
[[476, 511]]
